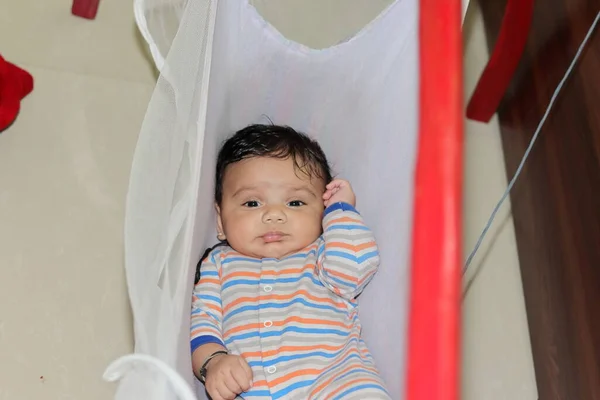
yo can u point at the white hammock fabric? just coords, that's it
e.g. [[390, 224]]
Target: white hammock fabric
[[224, 67]]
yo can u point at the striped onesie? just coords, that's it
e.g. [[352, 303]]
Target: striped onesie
[[295, 319]]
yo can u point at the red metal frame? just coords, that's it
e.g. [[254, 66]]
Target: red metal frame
[[433, 334], [504, 60], [85, 8]]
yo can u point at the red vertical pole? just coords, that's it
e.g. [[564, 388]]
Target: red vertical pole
[[85, 8], [433, 336]]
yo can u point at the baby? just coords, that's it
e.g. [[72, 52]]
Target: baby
[[274, 313]]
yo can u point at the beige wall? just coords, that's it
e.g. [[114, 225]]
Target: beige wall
[[497, 363], [63, 178]]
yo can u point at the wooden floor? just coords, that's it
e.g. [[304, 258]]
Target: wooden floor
[[556, 201]]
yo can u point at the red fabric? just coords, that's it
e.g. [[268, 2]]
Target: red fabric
[[15, 84], [85, 8], [504, 60], [433, 333]]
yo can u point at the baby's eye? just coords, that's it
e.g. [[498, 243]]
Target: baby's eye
[[296, 203], [251, 204]]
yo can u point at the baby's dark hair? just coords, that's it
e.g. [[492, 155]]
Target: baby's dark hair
[[274, 141]]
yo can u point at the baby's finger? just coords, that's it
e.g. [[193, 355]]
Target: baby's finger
[[340, 182], [247, 370], [214, 393], [225, 392], [241, 379], [233, 384]]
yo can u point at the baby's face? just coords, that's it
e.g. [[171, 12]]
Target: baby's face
[[270, 209]]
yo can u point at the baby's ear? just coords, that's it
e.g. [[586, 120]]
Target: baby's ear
[[219, 220]]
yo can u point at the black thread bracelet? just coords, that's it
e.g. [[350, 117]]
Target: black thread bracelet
[[208, 359]]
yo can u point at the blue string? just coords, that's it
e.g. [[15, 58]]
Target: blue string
[[531, 143]]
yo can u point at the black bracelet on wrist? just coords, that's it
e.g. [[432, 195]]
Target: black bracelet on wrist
[[208, 359]]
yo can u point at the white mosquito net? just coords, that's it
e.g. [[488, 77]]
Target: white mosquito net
[[222, 67]]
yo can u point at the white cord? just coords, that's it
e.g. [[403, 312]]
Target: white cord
[[531, 143]]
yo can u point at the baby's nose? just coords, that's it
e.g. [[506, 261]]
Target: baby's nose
[[274, 215]]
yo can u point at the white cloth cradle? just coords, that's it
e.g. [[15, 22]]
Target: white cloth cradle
[[223, 67]]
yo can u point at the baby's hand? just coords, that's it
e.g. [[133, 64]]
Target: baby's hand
[[337, 191], [227, 376]]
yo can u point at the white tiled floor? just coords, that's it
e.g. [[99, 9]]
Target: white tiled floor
[[63, 174], [63, 177], [64, 168]]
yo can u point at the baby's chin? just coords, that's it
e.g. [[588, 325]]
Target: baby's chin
[[276, 253], [271, 250]]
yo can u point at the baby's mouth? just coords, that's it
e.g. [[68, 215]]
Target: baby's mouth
[[272, 237]]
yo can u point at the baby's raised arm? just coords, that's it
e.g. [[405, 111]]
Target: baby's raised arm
[[348, 256]]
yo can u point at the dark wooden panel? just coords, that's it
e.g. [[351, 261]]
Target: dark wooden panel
[[556, 202]]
